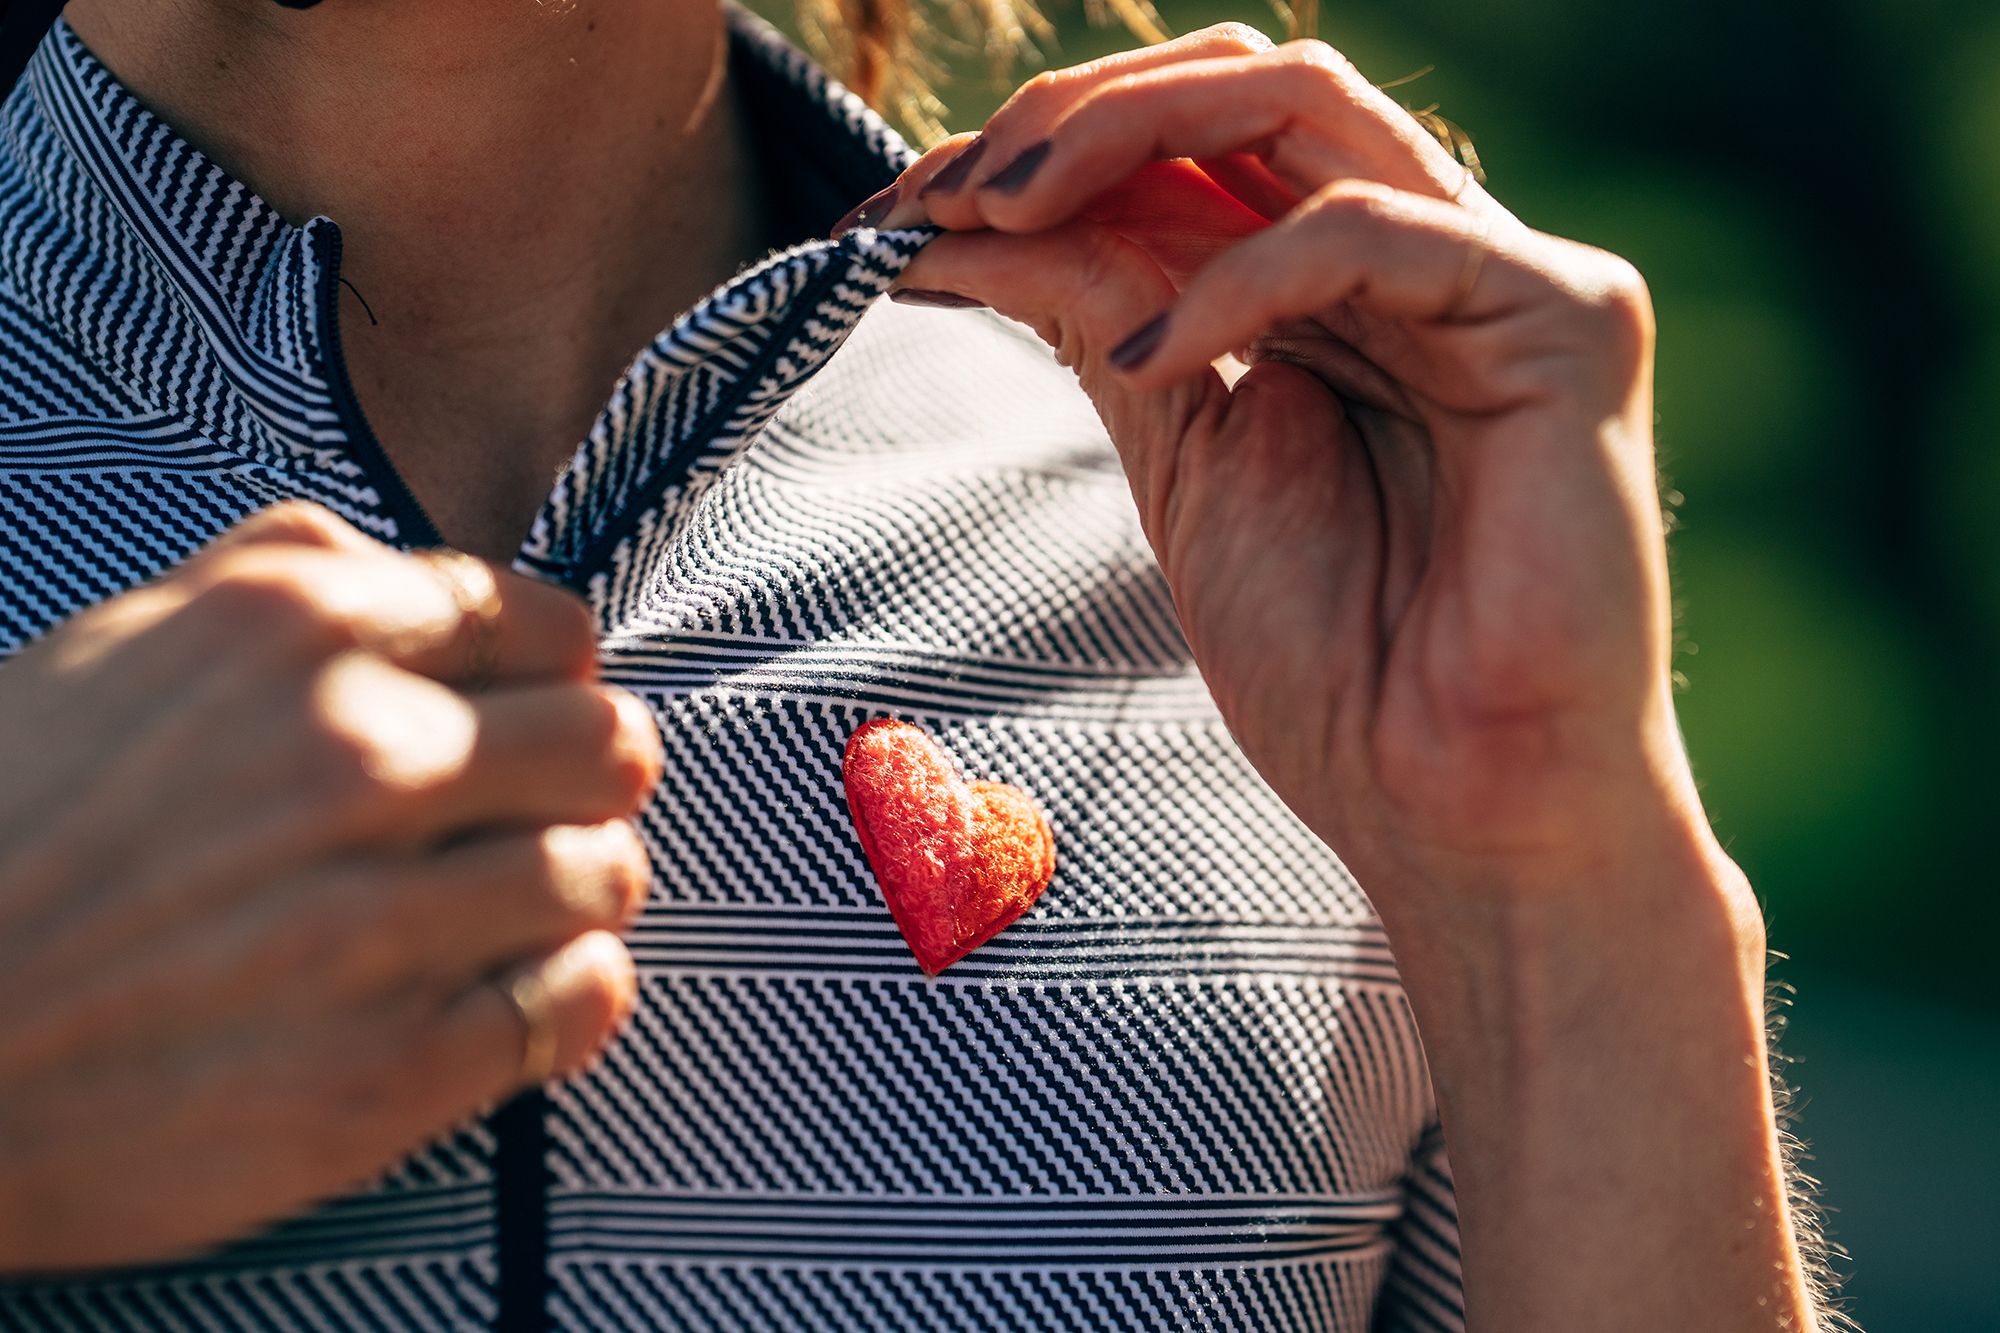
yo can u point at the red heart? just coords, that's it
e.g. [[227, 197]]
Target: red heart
[[957, 861]]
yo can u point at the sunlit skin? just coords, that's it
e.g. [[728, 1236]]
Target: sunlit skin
[[1416, 548]]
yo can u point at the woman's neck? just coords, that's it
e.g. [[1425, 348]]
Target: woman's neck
[[527, 191]]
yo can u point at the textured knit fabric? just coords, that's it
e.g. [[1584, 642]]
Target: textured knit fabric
[[1185, 1091]]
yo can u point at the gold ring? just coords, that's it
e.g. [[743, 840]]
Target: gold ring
[[529, 998], [477, 593]]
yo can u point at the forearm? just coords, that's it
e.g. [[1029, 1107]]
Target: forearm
[[1598, 1049]]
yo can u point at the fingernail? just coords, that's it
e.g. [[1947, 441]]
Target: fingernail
[[955, 171], [1014, 177], [866, 213], [928, 297], [1129, 354]]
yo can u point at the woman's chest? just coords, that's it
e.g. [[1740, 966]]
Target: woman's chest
[[1193, 1043]]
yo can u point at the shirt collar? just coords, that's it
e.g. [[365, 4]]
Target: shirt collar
[[254, 298]]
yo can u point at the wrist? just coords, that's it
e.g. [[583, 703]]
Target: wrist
[[1637, 956], [1616, 949], [1640, 882], [1596, 1039]]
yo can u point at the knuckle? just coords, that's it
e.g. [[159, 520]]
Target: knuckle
[[1625, 289], [1319, 60], [1614, 290], [374, 736], [1043, 81], [594, 875], [341, 754], [267, 601], [352, 940], [1238, 34], [1039, 88], [297, 520], [1352, 206], [1101, 262]]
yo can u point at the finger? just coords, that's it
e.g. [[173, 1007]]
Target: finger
[[376, 924], [510, 627], [413, 1068], [375, 1084], [1081, 287], [503, 627], [553, 754], [368, 756], [1171, 210], [1027, 116], [589, 985], [898, 204], [364, 927], [378, 759], [1301, 109], [445, 621], [294, 523], [506, 896], [1077, 286], [1376, 250]]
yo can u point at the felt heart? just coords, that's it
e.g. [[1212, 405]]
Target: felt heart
[[957, 861]]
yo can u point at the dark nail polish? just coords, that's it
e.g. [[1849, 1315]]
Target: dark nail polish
[[929, 297], [955, 171], [1014, 177], [866, 213], [1131, 353]]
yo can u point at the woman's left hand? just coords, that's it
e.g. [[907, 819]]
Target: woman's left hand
[[1417, 550], [1417, 547]]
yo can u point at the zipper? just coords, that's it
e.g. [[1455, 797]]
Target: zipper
[[520, 1127], [412, 522], [521, 1213]]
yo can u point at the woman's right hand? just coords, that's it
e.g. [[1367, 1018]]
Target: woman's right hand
[[268, 856]]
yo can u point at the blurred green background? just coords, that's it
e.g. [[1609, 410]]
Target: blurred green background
[[1813, 191]]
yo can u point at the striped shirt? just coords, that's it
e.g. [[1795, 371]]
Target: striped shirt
[[1184, 1091]]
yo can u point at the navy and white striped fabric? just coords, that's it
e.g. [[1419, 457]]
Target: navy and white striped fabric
[[1184, 1092]]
